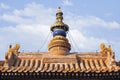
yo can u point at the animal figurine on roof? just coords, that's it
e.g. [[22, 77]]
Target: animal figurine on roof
[[12, 51]]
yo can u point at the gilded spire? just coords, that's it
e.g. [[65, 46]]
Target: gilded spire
[[59, 43]]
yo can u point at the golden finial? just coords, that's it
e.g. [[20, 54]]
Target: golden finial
[[59, 14], [59, 21], [59, 10]]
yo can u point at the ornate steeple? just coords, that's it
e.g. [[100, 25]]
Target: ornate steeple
[[59, 43]]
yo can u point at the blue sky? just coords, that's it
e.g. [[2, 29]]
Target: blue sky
[[91, 22]]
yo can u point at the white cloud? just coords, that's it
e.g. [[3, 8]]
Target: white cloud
[[16, 19], [67, 3], [83, 42], [32, 14], [91, 21], [4, 6]]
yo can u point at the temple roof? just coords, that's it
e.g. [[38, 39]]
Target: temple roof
[[45, 62]]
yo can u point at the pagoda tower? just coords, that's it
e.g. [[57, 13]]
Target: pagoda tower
[[59, 44]]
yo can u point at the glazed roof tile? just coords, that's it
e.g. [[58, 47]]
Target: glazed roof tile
[[95, 64]]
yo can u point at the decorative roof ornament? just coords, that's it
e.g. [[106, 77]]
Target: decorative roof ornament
[[59, 22], [59, 43], [59, 10]]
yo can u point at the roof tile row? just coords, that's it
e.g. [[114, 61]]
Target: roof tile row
[[25, 65]]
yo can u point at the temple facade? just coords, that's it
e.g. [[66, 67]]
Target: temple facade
[[59, 63]]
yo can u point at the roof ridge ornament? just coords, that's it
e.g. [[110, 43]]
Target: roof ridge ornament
[[59, 44]]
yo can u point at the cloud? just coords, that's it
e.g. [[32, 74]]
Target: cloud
[[91, 21], [4, 6], [67, 3], [31, 14], [16, 19], [82, 42]]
